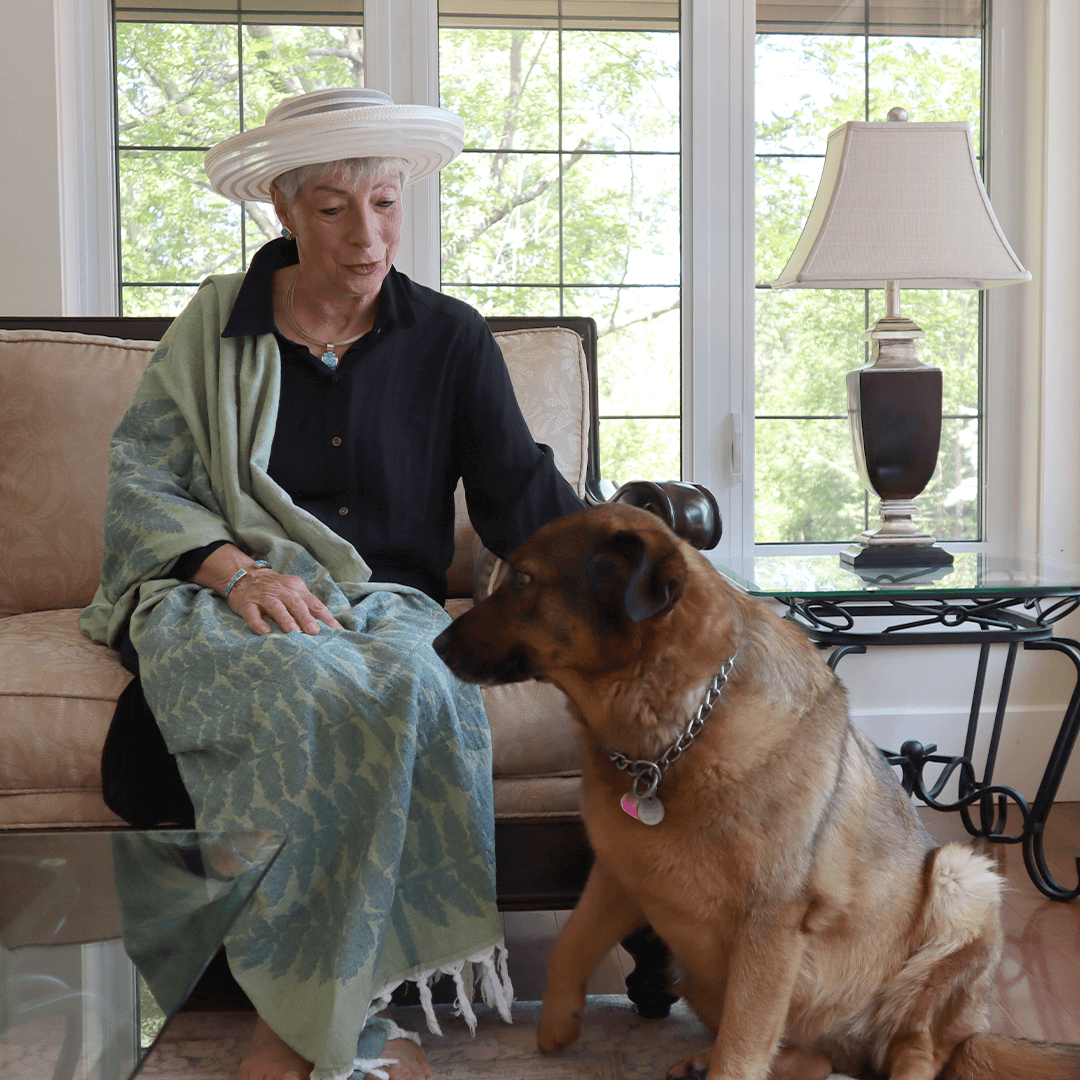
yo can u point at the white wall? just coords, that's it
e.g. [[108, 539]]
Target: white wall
[[30, 279], [895, 694]]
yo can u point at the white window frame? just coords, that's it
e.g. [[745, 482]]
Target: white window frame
[[718, 230], [85, 144]]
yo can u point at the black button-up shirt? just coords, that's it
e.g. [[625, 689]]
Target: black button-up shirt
[[375, 449]]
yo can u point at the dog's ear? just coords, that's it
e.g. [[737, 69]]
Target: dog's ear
[[627, 576]]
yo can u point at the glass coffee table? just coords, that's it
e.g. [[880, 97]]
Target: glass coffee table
[[103, 934], [983, 599]]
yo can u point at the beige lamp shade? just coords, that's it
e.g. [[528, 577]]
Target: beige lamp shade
[[901, 202]]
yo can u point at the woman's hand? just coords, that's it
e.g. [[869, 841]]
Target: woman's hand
[[263, 592], [284, 598]]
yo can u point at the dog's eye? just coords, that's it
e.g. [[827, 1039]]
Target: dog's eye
[[521, 579]]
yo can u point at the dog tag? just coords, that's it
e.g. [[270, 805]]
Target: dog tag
[[648, 811]]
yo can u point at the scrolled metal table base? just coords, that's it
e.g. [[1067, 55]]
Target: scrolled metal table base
[[993, 801], [832, 625]]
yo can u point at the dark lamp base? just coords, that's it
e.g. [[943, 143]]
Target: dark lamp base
[[895, 555]]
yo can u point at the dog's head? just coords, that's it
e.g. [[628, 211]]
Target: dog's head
[[583, 595]]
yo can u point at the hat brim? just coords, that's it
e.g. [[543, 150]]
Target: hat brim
[[243, 166]]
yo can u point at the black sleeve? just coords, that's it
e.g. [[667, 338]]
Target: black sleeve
[[184, 567], [512, 485]]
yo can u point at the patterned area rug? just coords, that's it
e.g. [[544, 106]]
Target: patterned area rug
[[615, 1044]]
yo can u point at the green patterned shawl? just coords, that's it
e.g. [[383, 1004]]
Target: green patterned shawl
[[357, 743]]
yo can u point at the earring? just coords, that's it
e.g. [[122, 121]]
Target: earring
[[286, 234]]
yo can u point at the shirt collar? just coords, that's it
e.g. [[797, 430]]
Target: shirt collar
[[253, 310]]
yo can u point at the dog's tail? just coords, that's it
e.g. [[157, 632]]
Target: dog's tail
[[994, 1057]]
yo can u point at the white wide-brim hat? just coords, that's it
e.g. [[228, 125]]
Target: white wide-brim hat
[[329, 125]]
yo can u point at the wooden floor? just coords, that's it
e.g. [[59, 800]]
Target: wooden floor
[[1038, 986]]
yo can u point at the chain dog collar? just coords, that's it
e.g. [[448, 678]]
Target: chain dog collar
[[642, 801]]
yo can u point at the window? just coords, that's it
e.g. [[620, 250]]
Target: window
[[566, 200], [187, 75], [818, 65]]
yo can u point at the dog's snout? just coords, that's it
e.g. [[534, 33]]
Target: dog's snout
[[452, 647], [479, 661]]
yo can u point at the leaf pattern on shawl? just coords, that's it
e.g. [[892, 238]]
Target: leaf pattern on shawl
[[358, 744]]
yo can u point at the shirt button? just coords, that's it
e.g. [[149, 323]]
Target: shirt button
[[343, 511], [336, 440]]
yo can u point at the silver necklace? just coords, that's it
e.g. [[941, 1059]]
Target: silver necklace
[[330, 356], [641, 801]]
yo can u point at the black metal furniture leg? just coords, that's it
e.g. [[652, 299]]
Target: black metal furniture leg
[[841, 651], [990, 824], [648, 986], [1034, 857], [972, 730]]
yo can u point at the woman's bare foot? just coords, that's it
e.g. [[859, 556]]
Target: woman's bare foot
[[412, 1064], [268, 1057]]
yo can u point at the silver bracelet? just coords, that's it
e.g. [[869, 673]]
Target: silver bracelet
[[259, 564]]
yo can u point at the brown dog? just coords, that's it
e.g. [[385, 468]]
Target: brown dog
[[815, 924]]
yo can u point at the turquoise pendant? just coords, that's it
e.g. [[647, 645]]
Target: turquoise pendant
[[330, 359]]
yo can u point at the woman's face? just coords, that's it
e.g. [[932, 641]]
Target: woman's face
[[346, 235]]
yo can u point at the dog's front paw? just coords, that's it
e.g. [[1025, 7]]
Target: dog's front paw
[[560, 1025], [691, 1068]]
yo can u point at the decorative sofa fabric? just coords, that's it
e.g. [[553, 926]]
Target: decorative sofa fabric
[[61, 395]]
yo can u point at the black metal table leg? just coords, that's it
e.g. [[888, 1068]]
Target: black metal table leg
[[1000, 599], [1034, 858], [989, 825], [840, 651]]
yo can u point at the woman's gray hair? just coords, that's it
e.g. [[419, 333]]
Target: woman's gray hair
[[353, 170]]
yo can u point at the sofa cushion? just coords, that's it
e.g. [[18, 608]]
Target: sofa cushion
[[551, 381], [57, 695], [58, 691], [536, 798], [61, 396]]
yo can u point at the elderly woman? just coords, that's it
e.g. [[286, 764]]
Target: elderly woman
[[279, 525]]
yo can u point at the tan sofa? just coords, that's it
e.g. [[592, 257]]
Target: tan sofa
[[61, 395]]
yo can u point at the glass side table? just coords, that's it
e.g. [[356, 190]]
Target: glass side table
[[984, 600], [103, 934]]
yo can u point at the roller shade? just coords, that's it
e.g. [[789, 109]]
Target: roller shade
[[338, 12], [569, 14], [887, 18]]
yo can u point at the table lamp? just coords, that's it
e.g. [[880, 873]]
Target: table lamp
[[899, 204]]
